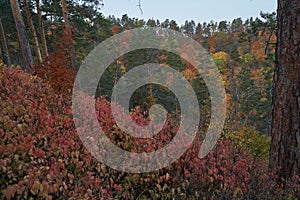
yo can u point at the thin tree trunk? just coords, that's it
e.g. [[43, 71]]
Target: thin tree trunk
[[41, 30], [285, 130], [4, 45], [69, 31], [36, 45], [1, 59], [23, 41]]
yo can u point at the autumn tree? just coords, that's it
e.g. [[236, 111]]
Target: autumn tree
[[285, 131]]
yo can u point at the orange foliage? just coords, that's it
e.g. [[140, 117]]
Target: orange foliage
[[273, 38], [212, 44], [190, 72], [115, 29], [236, 34], [258, 49]]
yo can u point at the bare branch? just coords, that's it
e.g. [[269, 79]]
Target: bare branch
[[140, 6]]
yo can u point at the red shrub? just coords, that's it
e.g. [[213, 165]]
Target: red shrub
[[41, 156]]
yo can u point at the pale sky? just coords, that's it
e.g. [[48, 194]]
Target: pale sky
[[198, 10]]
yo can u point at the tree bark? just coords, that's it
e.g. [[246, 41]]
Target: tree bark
[[35, 40], [1, 59], [41, 30], [23, 41], [4, 45], [285, 130], [69, 31]]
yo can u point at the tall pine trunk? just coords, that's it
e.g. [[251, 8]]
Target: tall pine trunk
[[69, 31], [41, 29], [285, 130], [4, 45], [35, 40], [22, 38]]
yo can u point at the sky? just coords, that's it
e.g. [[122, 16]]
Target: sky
[[182, 10]]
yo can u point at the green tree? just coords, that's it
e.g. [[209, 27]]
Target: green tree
[[223, 27]]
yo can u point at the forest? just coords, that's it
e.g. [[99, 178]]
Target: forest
[[43, 45]]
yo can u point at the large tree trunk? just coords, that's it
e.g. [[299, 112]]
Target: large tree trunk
[[285, 130], [23, 41], [33, 32], [41, 29], [69, 31], [4, 45]]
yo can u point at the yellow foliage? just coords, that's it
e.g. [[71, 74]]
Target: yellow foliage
[[123, 68], [250, 140], [33, 77], [140, 23], [221, 60], [221, 56]]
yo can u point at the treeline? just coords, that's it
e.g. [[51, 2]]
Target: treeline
[[44, 22], [61, 33]]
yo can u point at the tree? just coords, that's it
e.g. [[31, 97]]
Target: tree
[[173, 25], [4, 44], [236, 25], [285, 129], [188, 27], [223, 26], [269, 26], [165, 24], [23, 41], [35, 40], [41, 29], [69, 31], [151, 23]]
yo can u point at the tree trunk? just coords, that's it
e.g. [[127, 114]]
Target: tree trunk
[[4, 45], [36, 45], [285, 130], [23, 41], [69, 31], [1, 59], [41, 29]]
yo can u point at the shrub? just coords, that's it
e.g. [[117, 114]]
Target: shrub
[[42, 157]]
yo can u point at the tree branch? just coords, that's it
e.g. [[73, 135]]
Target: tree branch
[[140, 6]]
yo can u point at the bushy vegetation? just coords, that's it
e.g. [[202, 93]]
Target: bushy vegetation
[[42, 157]]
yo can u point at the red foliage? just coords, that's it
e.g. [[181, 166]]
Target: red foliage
[[115, 29], [41, 156], [57, 68]]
